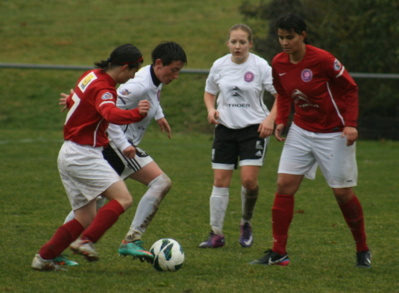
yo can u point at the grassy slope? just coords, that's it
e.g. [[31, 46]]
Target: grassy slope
[[80, 33]]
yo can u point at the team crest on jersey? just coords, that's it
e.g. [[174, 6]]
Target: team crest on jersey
[[86, 81], [302, 101], [125, 92], [337, 65], [107, 96], [306, 75], [249, 76], [159, 95]]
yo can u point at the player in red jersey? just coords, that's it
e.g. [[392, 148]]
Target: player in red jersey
[[83, 170], [323, 133]]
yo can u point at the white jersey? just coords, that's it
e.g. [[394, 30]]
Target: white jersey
[[141, 87], [240, 90]]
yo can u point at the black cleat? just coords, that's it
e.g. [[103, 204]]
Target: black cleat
[[363, 259], [272, 258]]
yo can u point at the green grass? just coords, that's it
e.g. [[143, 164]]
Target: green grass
[[78, 33], [33, 202], [33, 205]]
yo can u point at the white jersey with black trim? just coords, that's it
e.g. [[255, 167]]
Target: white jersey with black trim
[[240, 90], [141, 87]]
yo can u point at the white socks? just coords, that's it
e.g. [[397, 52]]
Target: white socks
[[148, 206], [218, 205]]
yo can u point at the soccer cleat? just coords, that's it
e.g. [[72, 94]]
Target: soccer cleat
[[213, 241], [41, 264], [246, 239], [86, 248], [136, 250], [363, 259], [62, 260], [272, 258]]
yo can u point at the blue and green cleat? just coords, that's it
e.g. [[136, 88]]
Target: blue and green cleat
[[136, 250]]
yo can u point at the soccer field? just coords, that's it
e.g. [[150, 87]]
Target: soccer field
[[34, 204]]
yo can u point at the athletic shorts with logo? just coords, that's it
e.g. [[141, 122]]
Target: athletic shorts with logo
[[233, 147], [304, 150], [123, 165]]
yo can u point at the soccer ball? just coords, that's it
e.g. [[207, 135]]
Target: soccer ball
[[168, 255]]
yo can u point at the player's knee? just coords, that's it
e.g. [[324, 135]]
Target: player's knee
[[343, 195], [250, 193], [285, 188], [167, 182], [250, 184], [125, 201], [162, 183]]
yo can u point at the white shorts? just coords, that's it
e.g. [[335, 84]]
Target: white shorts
[[123, 165], [84, 173], [304, 150]]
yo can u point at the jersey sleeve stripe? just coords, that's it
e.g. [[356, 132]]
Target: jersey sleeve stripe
[[335, 105], [107, 102], [341, 72]]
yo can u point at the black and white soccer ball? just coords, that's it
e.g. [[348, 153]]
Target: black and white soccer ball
[[168, 255]]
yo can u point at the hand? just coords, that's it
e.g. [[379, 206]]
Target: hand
[[266, 128], [129, 152], [351, 135], [279, 131], [164, 126], [213, 116], [63, 99], [144, 107]]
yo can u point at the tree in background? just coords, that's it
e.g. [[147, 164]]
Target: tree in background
[[362, 34]]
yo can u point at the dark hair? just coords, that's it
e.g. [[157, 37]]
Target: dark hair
[[168, 52], [124, 54], [291, 21], [242, 27]]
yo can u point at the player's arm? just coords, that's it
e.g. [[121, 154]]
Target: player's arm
[[64, 101], [162, 122], [213, 114], [351, 135], [352, 109], [351, 99], [118, 137], [164, 126], [283, 108], [105, 105], [267, 126]]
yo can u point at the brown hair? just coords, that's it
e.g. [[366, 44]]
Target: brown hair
[[242, 27]]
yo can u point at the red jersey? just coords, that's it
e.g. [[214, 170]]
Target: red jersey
[[324, 94], [92, 108]]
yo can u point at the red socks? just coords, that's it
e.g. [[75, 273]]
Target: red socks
[[282, 214], [71, 230], [61, 239], [353, 214], [105, 218], [283, 211]]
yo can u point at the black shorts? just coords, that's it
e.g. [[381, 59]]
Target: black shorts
[[233, 145], [123, 165]]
